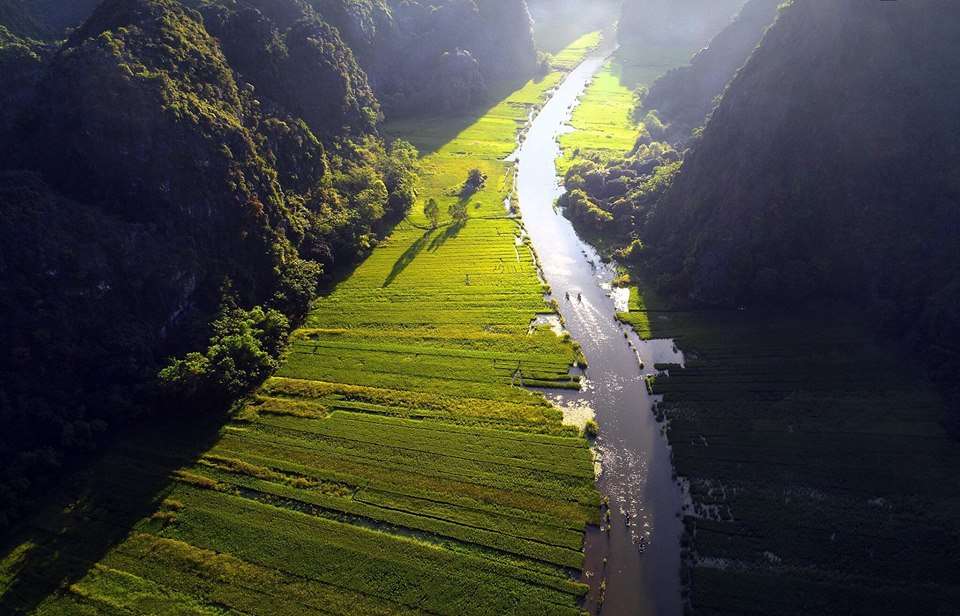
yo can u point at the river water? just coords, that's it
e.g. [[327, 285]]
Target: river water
[[639, 556]]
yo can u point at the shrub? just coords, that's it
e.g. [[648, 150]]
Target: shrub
[[476, 180], [243, 350], [591, 429], [432, 211]]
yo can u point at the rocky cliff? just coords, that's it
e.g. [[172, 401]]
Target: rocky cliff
[[435, 55]]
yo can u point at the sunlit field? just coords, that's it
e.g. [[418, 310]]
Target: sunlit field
[[603, 125], [395, 463]]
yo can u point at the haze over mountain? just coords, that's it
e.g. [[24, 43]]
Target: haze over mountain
[[684, 96], [648, 23]]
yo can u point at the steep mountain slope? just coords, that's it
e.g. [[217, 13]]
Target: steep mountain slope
[[830, 168], [435, 55], [159, 171], [683, 97], [44, 19]]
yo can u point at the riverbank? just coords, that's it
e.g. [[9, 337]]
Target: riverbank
[[393, 465], [817, 476], [633, 560]]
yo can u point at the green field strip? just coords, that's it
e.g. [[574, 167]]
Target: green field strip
[[127, 593], [395, 464], [478, 515], [510, 525], [513, 452], [302, 459], [429, 529], [374, 563], [528, 410], [501, 474], [238, 584], [496, 435]]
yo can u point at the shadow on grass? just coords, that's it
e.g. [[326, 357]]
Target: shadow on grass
[[430, 131], [95, 509], [407, 257], [452, 231]]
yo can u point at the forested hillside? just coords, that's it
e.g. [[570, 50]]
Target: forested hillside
[[830, 169], [44, 19], [611, 197], [168, 167], [684, 96], [439, 55]]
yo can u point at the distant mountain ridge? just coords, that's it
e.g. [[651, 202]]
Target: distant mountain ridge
[[441, 54]]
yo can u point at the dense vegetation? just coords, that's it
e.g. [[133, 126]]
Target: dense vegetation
[[393, 464], [441, 55], [795, 191], [829, 169], [820, 475], [160, 171], [685, 96], [628, 145]]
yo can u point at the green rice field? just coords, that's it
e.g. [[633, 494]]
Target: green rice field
[[396, 463], [603, 124], [820, 478]]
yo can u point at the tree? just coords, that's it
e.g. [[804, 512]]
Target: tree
[[432, 210], [458, 212], [476, 179], [244, 348]]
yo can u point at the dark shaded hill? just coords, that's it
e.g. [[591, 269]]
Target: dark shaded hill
[[685, 96], [439, 55], [294, 61], [830, 169], [169, 168], [44, 19]]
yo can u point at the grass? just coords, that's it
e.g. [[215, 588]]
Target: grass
[[819, 475], [603, 123], [394, 465]]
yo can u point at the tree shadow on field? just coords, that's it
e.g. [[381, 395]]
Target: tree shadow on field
[[430, 131], [452, 231], [94, 510], [407, 257]]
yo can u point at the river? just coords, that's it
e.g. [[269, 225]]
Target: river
[[639, 557]]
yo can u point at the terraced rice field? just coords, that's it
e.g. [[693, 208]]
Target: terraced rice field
[[603, 123], [820, 478], [394, 465]]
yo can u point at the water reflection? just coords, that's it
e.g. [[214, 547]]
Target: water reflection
[[637, 553]]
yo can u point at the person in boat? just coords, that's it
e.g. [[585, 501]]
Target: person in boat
[[579, 297], [568, 296]]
